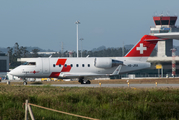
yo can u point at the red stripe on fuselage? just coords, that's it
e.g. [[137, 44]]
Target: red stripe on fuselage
[[66, 69], [54, 74], [61, 61]]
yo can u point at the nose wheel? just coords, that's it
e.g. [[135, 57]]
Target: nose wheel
[[25, 82]]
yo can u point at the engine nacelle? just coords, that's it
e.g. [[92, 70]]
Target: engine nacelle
[[103, 62], [106, 62]]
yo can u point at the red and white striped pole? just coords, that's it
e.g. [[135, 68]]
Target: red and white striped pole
[[173, 62]]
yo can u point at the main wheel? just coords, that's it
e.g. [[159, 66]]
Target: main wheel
[[81, 81], [88, 82]]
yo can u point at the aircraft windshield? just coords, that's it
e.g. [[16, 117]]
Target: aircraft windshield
[[29, 63]]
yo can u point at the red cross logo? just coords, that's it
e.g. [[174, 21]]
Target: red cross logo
[[34, 72]]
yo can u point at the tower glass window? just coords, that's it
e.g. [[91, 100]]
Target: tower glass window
[[165, 22], [172, 22], [157, 22]]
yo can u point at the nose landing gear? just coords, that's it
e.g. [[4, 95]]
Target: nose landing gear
[[25, 82]]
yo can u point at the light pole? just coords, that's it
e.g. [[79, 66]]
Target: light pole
[[81, 46], [77, 22]]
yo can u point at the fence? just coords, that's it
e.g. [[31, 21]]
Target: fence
[[27, 107]]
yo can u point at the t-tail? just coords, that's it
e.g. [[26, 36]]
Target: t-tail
[[142, 50]]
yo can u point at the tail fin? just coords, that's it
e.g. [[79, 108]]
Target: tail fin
[[144, 47]]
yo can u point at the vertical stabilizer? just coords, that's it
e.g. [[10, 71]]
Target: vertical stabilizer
[[144, 47]]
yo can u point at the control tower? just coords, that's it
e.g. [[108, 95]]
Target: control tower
[[164, 25]]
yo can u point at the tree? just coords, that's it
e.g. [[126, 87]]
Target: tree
[[10, 53], [24, 51], [35, 52], [17, 51], [13, 55]]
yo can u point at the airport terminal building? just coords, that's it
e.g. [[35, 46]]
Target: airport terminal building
[[4, 65]]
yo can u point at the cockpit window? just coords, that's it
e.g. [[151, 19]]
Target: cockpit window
[[32, 63], [29, 63], [25, 63]]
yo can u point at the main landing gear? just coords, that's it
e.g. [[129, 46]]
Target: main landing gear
[[82, 81]]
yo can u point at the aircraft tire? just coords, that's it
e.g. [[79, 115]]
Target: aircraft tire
[[88, 82], [25, 83], [81, 81]]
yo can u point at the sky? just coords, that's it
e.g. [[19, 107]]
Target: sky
[[48, 23]]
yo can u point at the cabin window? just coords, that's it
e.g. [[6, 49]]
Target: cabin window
[[65, 65], [76, 65], [71, 65], [83, 65], [59, 65], [53, 65], [88, 65]]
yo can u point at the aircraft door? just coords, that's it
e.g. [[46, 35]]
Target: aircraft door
[[45, 65]]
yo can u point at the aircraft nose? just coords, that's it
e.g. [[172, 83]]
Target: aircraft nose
[[11, 72], [14, 72]]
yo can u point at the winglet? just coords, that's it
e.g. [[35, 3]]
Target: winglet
[[117, 70]]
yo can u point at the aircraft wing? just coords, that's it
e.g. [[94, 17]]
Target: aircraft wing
[[117, 70], [76, 75], [170, 35]]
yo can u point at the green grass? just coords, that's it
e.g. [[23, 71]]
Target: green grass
[[100, 103]]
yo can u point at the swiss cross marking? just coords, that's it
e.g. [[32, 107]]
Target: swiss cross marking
[[34, 72], [141, 48]]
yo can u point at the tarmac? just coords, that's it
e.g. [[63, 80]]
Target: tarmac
[[136, 83], [117, 85]]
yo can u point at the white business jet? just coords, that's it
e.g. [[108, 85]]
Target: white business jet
[[86, 69]]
